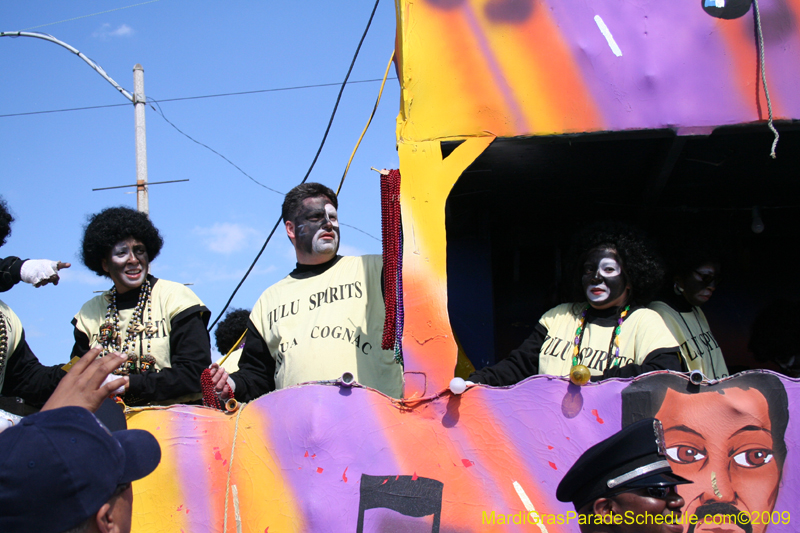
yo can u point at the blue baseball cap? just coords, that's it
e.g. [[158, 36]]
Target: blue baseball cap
[[58, 467]]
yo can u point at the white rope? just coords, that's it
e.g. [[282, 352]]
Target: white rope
[[230, 467], [764, 80]]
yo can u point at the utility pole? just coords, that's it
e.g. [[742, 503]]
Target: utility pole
[[138, 99], [142, 203]]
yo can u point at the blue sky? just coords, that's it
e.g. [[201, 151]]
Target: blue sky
[[214, 224]]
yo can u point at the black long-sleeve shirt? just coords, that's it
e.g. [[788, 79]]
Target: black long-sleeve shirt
[[10, 272], [29, 379]]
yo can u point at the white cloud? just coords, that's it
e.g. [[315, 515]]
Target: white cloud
[[105, 31], [226, 238]]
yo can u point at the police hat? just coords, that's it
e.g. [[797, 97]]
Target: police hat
[[58, 467], [635, 457]]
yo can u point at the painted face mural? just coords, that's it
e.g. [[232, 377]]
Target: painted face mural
[[127, 264], [603, 281], [317, 227], [700, 284], [728, 456]]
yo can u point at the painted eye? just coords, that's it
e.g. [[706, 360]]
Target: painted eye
[[753, 458], [685, 454]]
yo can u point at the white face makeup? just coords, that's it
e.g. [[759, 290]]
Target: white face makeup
[[316, 229], [603, 280], [607, 268], [326, 239]]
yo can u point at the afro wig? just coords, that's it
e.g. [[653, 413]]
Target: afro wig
[[640, 261], [230, 329], [5, 221], [112, 225]]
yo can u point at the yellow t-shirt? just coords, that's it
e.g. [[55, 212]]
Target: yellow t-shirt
[[319, 327], [698, 346], [167, 300], [641, 333], [13, 333]]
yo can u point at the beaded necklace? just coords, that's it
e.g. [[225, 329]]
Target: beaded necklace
[[579, 374], [111, 339], [3, 342]]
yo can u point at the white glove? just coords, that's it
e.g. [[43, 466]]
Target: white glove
[[109, 379], [35, 271]]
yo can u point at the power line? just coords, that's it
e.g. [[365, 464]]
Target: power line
[[86, 16], [237, 167], [194, 97], [324, 137]]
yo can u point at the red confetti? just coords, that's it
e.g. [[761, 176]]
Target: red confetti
[[306, 455], [414, 477], [549, 447], [344, 475], [187, 511], [179, 508], [319, 470], [467, 462], [218, 456], [266, 530], [313, 456], [384, 481], [397, 477], [224, 462], [552, 465], [600, 420]]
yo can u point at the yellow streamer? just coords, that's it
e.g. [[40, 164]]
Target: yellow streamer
[[380, 93]]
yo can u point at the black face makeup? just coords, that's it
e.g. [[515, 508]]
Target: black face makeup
[[698, 286], [127, 264], [316, 227], [604, 282]]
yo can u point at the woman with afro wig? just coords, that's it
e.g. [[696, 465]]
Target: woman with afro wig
[[607, 331], [160, 325]]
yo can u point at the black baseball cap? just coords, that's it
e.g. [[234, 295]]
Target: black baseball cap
[[634, 457], [58, 467]]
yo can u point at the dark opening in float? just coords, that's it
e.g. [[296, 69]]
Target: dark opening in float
[[512, 213]]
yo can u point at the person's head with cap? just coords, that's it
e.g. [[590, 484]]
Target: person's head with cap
[[624, 477], [63, 471]]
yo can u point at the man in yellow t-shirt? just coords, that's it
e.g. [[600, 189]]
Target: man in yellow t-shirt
[[324, 319]]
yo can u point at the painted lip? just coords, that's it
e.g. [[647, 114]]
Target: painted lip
[[328, 235], [133, 274]]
